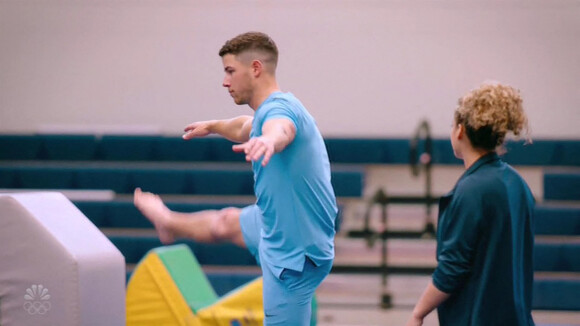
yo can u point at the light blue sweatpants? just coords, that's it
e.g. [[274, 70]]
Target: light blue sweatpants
[[287, 293]]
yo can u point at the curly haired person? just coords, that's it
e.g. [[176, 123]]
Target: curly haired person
[[485, 239]]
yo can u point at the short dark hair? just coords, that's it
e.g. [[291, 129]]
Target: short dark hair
[[251, 41]]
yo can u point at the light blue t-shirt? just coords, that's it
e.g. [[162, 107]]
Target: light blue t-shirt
[[293, 190]]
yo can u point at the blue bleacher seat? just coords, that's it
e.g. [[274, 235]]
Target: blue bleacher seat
[[134, 247], [556, 293], [557, 256], [541, 152], [68, 147], [348, 183], [36, 177], [566, 153], [562, 185], [175, 149], [222, 182], [115, 179], [368, 151], [96, 211], [19, 147], [125, 215], [7, 178], [127, 148], [160, 181], [443, 153], [113, 214], [221, 151], [536, 153], [556, 220]]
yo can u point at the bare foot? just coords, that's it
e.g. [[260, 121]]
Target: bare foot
[[152, 207]]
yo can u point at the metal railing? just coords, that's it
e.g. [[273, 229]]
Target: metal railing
[[420, 162]]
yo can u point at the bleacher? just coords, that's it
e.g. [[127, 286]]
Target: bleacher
[[206, 174], [50, 147]]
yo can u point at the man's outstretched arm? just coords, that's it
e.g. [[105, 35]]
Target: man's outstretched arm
[[236, 129]]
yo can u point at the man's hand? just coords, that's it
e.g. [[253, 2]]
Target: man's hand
[[198, 129], [257, 147], [276, 135], [415, 321]]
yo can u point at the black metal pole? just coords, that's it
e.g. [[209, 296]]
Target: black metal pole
[[386, 299]]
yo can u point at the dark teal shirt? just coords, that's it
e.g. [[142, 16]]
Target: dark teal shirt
[[485, 247]]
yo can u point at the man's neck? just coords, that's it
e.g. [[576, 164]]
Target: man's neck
[[262, 93]]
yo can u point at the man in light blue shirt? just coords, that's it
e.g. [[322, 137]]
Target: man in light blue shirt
[[290, 230]]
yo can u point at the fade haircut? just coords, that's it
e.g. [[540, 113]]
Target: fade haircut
[[257, 42]]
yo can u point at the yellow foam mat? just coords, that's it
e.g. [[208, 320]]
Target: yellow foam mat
[[154, 299], [241, 307]]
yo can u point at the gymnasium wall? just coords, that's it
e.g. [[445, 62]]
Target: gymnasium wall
[[363, 68]]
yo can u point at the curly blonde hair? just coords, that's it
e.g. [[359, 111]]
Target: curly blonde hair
[[489, 112]]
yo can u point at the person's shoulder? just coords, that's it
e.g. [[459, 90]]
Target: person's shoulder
[[511, 171], [490, 179], [287, 100], [285, 96], [513, 177], [478, 183], [471, 182], [285, 104], [277, 101]]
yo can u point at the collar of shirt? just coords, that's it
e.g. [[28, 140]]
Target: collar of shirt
[[485, 159], [268, 99]]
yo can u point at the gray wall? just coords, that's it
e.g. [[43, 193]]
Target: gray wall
[[363, 68]]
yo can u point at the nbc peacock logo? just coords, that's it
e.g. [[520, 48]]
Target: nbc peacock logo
[[36, 300]]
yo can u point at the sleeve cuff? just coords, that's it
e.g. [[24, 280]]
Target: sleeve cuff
[[442, 283]]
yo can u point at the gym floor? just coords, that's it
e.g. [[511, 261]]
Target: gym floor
[[353, 300]]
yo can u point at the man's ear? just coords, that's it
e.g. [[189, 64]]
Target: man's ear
[[257, 67]]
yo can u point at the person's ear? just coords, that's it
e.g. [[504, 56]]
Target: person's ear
[[460, 131], [257, 67]]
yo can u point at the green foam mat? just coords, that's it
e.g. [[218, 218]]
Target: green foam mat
[[188, 276]]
